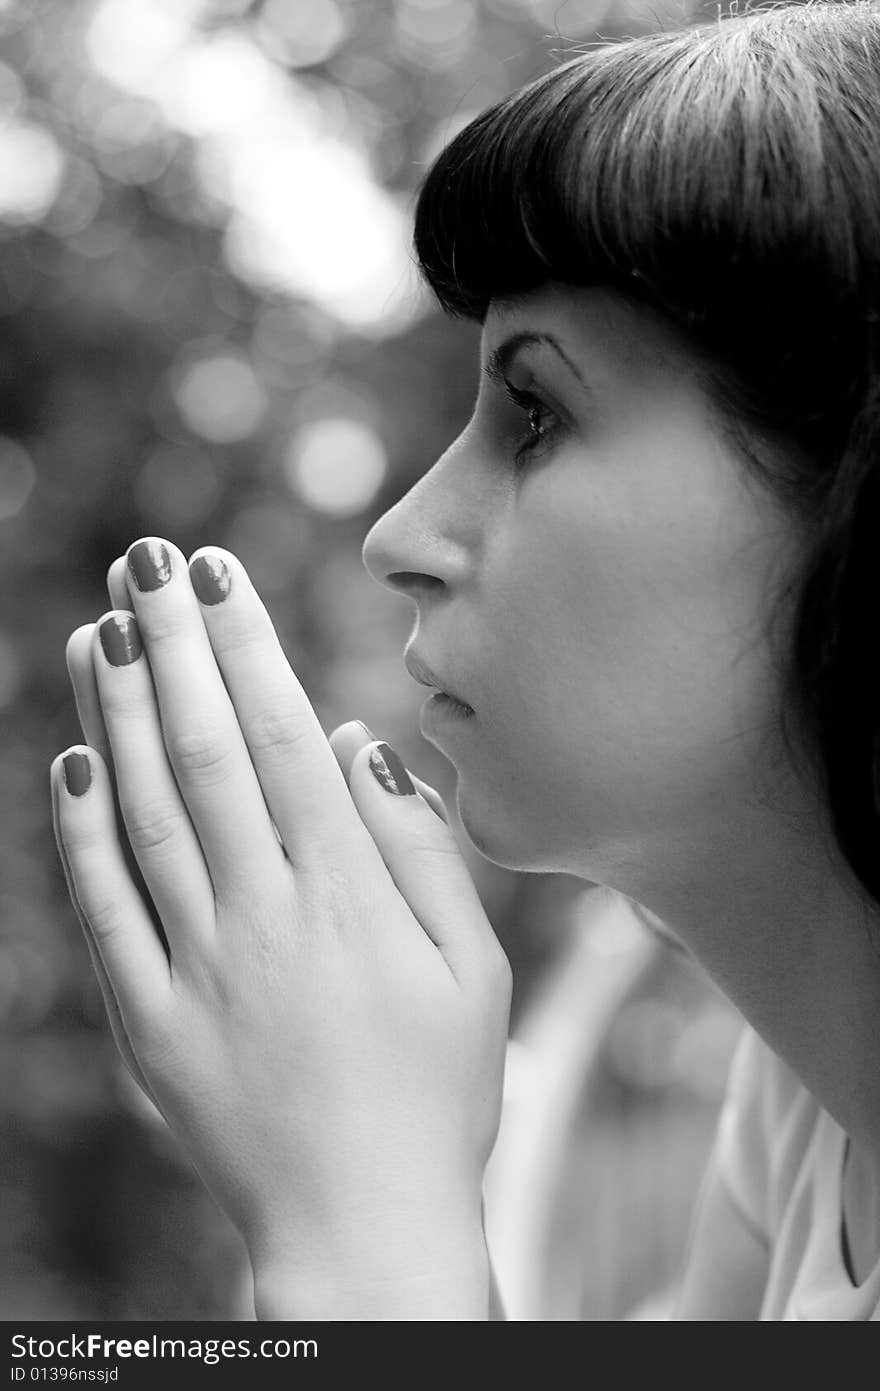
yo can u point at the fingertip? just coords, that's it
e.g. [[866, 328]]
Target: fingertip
[[55, 777], [352, 729], [80, 639], [347, 740], [78, 769]]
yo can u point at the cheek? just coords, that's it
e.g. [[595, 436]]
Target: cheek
[[635, 680]]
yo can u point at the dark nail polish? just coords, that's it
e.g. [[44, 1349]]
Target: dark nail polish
[[369, 733], [388, 769], [149, 565], [77, 773], [121, 640], [210, 578]]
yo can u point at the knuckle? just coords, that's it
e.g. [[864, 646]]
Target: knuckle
[[151, 826], [102, 916], [200, 753], [442, 849], [276, 732], [83, 842]]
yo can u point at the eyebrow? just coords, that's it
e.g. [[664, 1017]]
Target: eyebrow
[[501, 360]]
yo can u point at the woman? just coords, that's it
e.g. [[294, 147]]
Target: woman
[[642, 578]]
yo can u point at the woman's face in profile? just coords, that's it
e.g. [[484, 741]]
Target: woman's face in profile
[[593, 571]]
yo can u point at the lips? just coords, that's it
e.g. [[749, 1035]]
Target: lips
[[421, 672]]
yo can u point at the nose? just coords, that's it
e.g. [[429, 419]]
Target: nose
[[428, 541]]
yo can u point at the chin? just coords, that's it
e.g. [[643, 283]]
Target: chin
[[509, 847]]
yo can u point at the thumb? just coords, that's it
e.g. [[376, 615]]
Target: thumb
[[425, 861]]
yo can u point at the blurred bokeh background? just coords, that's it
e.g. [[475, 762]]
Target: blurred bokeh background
[[211, 330]]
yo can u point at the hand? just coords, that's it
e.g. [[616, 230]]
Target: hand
[[297, 969]]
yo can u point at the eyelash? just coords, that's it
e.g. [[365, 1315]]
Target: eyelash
[[525, 401]]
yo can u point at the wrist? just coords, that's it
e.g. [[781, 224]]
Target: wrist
[[429, 1286]]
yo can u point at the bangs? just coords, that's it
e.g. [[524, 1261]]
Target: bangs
[[532, 190], [707, 173]]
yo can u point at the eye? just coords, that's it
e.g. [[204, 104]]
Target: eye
[[541, 420]]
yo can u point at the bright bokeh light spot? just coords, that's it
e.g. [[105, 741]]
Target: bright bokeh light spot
[[131, 42], [220, 397], [312, 219], [337, 466], [31, 170], [11, 671], [17, 477], [303, 33], [306, 214], [177, 484], [226, 85]]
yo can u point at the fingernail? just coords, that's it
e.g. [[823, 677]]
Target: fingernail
[[77, 773], [149, 564], [369, 733], [387, 768], [120, 639], [210, 578]]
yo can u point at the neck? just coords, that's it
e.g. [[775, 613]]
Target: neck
[[767, 905]]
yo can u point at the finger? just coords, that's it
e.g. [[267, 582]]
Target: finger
[[348, 739], [156, 819], [301, 780], [425, 862], [81, 668], [137, 968], [204, 741], [117, 586], [111, 1004]]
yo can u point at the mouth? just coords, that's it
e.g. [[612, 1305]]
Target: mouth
[[421, 672]]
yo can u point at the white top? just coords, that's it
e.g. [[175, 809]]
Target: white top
[[781, 1157]]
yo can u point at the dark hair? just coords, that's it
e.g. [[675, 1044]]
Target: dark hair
[[727, 177]]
